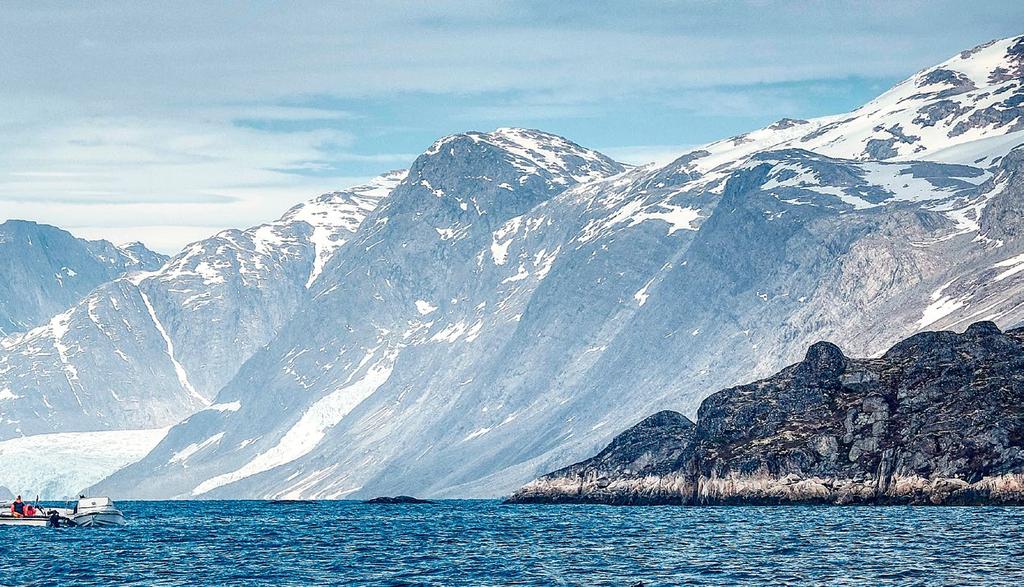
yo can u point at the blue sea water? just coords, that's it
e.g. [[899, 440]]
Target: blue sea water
[[486, 543]]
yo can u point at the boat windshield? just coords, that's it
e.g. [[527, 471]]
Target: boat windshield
[[93, 502]]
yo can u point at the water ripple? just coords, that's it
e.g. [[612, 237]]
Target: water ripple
[[484, 543]]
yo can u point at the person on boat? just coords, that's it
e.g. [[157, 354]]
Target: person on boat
[[30, 510], [18, 508]]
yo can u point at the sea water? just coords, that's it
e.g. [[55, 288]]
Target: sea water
[[486, 543]]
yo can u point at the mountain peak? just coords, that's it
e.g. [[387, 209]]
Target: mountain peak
[[534, 151]]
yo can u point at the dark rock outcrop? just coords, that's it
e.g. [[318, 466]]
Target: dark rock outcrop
[[938, 419], [398, 499]]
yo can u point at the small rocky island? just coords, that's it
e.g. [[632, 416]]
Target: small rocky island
[[938, 419], [396, 500]]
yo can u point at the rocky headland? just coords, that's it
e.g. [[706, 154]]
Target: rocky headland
[[938, 419]]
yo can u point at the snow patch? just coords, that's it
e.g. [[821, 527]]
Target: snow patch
[[476, 433], [1015, 264], [502, 238], [677, 217], [519, 276], [179, 370], [940, 307], [641, 295], [424, 307], [226, 407], [184, 454], [311, 427]]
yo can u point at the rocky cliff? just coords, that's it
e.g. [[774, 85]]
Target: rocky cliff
[[938, 419]]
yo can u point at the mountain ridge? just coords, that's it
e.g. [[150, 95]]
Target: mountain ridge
[[45, 269]]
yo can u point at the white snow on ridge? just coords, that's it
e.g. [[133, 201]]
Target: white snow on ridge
[[59, 327], [311, 427], [187, 452], [502, 238], [979, 63], [677, 217], [226, 407], [1015, 264], [981, 152], [894, 116], [380, 186], [336, 214], [476, 433], [85, 458], [547, 151], [941, 306], [534, 150], [424, 307], [893, 181], [641, 295]]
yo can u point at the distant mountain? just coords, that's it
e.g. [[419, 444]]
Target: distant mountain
[[831, 429], [518, 298], [44, 270], [151, 348]]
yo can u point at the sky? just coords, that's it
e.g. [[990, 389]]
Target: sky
[[166, 122]]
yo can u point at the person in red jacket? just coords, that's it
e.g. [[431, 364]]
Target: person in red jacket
[[18, 508], [30, 510]]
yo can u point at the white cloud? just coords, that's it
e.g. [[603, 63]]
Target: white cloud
[[122, 117], [118, 177]]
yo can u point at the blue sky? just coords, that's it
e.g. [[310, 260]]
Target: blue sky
[[165, 122]]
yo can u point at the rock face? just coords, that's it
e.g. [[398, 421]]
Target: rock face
[[44, 269], [935, 420]]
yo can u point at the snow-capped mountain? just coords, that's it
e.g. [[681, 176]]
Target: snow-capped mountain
[[518, 299], [150, 348], [44, 269], [975, 95]]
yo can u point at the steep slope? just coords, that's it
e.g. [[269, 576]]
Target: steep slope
[[492, 319], [383, 320], [831, 429], [148, 349], [44, 270]]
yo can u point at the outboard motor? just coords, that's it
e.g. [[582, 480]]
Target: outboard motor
[[54, 519]]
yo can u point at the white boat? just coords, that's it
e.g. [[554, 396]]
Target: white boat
[[88, 511], [96, 511]]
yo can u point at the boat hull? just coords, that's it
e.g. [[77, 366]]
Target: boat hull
[[99, 519], [33, 521]]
